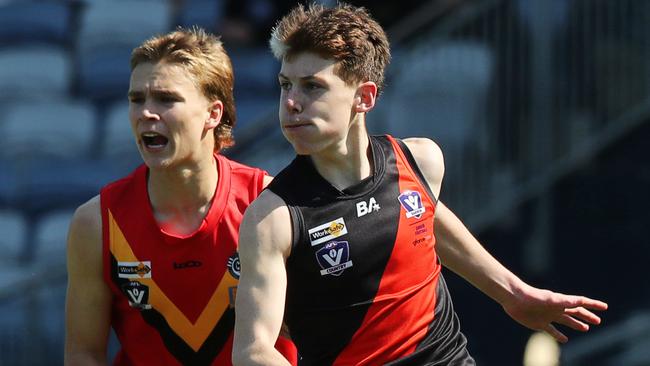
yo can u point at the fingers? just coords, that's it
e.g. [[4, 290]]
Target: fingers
[[559, 336], [573, 323], [584, 315], [571, 301], [593, 304]]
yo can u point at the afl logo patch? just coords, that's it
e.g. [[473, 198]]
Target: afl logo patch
[[411, 201], [137, 295], [234, 267], [333, 258]]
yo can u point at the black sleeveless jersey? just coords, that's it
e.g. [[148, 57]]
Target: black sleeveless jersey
[[363, 279]]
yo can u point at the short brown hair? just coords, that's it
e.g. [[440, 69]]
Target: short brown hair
[[345, 33], [203, 56]]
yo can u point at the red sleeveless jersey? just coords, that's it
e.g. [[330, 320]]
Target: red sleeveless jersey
[[174, 296]]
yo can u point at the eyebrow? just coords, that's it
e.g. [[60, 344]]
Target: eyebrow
[[155, 93], [134, 94], [302, 78]]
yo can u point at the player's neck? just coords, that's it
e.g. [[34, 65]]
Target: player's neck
[[349, 162], [181, 196]]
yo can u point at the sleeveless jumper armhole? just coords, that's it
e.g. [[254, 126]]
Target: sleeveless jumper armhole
[[406, 153], [259, 180], [106, 237], [296, 226]]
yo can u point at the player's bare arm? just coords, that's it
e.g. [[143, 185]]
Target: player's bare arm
[[88, 298], [264, 244], [460, 251]]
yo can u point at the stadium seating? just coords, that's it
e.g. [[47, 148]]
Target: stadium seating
[[62, 129], [108, 32], [442, 89], [34, 71], [46, 147], [204, 13], [118, 147], [14, 229], [51, 236], [36, 22]]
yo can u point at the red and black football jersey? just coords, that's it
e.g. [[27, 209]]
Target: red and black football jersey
[[364, 283]]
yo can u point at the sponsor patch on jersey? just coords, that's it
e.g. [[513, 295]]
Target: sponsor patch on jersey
[[412, 203], [134, 269], [234, 266], [327, 231], [187, 264], [334, 258], [364, 208], [421, 233], [137, 294]]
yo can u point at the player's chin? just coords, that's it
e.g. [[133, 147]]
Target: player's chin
[[157, 160], [303, 148]]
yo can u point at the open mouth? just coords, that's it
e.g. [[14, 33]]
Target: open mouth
[[152, 140]]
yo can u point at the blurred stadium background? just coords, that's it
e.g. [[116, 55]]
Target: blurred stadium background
[[541, 107]]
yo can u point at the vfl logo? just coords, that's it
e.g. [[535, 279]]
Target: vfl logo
[[333, 258], [134, 269], [137, 294], [234, 266], [328, 231], [412, 203], [364, 208]]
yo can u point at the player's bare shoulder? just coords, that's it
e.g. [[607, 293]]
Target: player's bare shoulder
[[85, 234], [429, 158], [266, 223]]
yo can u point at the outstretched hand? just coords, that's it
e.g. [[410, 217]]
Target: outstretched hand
[[539, 309]]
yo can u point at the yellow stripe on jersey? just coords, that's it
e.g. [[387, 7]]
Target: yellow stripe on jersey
[[194, 334]]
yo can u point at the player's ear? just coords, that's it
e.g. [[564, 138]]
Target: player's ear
[[215, 114], [365, 97]]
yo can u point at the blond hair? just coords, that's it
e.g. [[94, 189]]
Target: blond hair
[[203, 56]]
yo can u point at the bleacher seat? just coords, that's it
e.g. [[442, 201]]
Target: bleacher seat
[[34, 72], [54, 129], [14, 229], [51, 234], [104, 73], [48, 265], [36, 22], [7, 184], [108, 33], [48, 148], [119, 146], [122, 22]]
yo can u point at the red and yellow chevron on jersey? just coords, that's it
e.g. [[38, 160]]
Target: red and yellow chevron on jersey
[[173, 296]]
